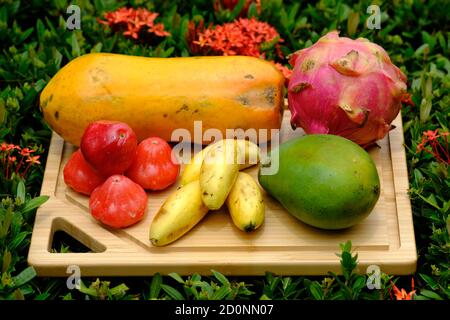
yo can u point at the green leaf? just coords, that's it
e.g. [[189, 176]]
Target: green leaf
[[273, 281], [5, 222], [292, 14], [39, 85], [428, 39], [155, 286], [221, 293], [431, 200], [2, 112], [6, 261], [176, 277], [430, 294], [347, 246], [18, 295], [23, 277], [286, 282], [34, 203], [173, 293], [237, 9], [316, 290], [75, 46], [68, 297], [25, 35], [252, 11], [448, 226], [42, 296], [442, 41], [429, 280], [206, 288], [40, 29], [18, 240], [89, 291], [119, 290], [20, 193], [57, 58], [222, 279], [196, 277], [97, 47], [352, 22], [359, 283]]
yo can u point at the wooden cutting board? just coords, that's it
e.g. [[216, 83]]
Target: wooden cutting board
[[283, 245]]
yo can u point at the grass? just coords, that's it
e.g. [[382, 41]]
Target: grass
[[35, 44]]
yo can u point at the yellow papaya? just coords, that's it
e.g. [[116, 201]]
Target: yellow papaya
[[156, 96]]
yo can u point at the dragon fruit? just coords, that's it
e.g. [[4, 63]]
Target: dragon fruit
[[345, 87]]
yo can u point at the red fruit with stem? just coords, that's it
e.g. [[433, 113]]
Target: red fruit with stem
[[154, 167], [118, 202], [109, 146]]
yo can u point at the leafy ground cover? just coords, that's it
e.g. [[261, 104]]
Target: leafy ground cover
[[35, 44]]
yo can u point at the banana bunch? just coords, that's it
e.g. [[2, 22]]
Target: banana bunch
[[211, 179]]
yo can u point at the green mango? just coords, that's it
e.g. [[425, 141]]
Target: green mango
[[326, 181]]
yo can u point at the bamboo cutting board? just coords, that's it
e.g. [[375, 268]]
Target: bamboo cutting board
[[282, 245]]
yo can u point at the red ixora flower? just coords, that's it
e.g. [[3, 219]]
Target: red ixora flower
[[133, 21], [241, 37], [246, 37], [12, 158], [438, 143], [407, 99], [402, 294], [26, 152], [34, 160]]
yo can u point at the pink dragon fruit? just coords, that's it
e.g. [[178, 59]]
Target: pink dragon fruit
[[345, 87]]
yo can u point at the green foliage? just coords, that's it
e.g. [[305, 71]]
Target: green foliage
[[14, 241], [35, 44], [348, 286], [218, 288]]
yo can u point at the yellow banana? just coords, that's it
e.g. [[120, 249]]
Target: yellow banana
[[246, 203], [246, 149], [179, 214], [249, 151], [218, 173], [191, 171]]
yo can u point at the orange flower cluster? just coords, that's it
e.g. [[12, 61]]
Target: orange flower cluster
[[407, 99], [439, 149], [402, 294], [134, 22], [242, 37], [9, 162]]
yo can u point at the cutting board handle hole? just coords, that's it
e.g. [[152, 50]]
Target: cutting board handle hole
[[65, 238]]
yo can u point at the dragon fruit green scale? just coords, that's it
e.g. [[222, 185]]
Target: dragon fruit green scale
[[345, 87]]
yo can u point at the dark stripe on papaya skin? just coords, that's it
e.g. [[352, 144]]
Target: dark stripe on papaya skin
[[244, 100], [269, 94], [184, 107]]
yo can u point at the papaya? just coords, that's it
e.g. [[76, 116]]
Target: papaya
[[326, 181], [156, 96]]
